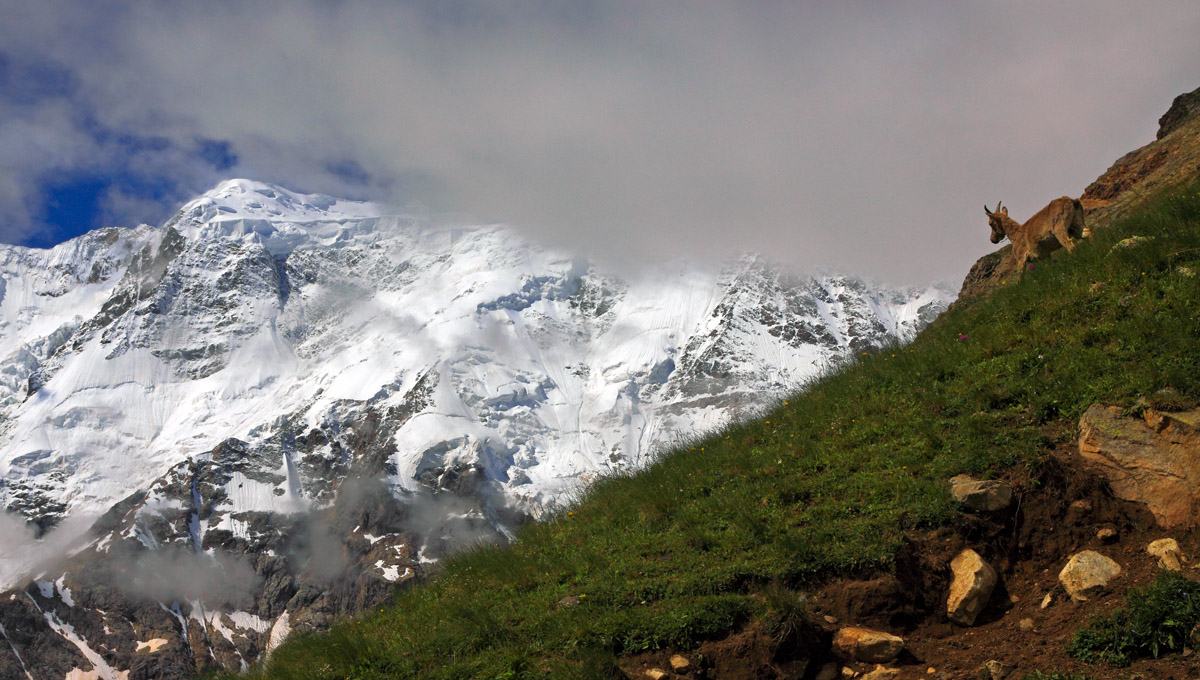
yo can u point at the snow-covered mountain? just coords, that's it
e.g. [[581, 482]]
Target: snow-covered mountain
[[273, 378]]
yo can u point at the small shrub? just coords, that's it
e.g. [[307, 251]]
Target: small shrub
[[1155, 621]]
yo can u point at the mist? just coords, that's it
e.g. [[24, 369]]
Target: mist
[[24, 550], [860, 137], [171, 573]]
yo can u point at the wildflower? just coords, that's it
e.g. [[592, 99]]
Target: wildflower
[[570, 514], [1003, 282], [963, 336], [785, 403], [1031, 265]]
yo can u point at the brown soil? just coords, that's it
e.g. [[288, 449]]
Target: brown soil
[[1054, 516]]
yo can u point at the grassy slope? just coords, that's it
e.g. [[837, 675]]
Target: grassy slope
[[733, 528]]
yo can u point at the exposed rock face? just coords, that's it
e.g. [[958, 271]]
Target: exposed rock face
[[1088, 573], [1185, 107], [1153, 459], [974, 580], [1168, 553], [981, 495], [186, 576], [985, 273], [866, 645]]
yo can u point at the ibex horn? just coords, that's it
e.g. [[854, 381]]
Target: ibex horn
[[986, 211]]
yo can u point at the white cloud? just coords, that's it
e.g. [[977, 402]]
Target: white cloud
[[858, 136]]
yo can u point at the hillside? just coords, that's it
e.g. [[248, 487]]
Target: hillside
[[744, 553]]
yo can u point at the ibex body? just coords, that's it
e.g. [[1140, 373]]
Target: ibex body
[[1053, 227]]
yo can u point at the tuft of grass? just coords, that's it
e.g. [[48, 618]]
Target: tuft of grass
[[729, 530], [1156, 620]]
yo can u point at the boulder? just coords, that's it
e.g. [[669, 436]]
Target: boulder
[[981, 495], [1152, 459], [1107, 535], [829, 671], [1087, 573], [655, 673], [866, 645], [974, 580], [1167, 552]]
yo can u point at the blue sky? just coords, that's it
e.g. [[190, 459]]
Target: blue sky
[[858, 136]]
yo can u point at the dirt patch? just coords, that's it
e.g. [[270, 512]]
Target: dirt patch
[[749, 654]]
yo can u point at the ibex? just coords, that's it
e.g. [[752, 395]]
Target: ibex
[[1052, 228]]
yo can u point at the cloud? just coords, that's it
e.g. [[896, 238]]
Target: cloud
[[23, 551], [171, 573], [856, 135]]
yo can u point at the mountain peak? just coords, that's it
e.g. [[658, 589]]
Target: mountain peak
[[235, 199]]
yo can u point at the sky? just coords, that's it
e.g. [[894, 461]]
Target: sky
[[853, 136]]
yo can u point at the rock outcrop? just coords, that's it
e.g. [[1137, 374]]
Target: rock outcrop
[[1152, 459], [1182, 109]]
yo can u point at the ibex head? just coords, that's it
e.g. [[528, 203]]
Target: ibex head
[[996, 222]]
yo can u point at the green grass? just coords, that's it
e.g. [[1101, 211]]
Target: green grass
[[1155, 620], [733, 528]]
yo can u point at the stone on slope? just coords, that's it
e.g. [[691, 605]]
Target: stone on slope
[[974, 580], [1167, 552], [995, 670], [680, 663], [866, 645], [1087, 573], [882, 673], [981, 495], [1153, 459]]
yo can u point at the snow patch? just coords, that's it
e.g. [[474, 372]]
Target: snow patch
[[150, 645]]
